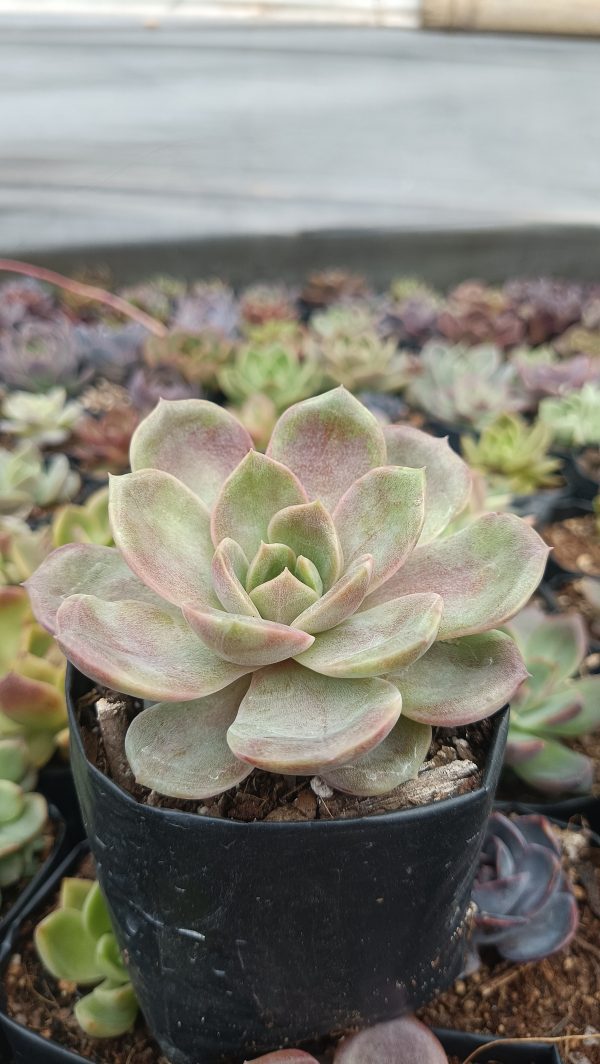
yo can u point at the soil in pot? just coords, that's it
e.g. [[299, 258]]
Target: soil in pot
[[588, 463], [555, 996], [576, 544]]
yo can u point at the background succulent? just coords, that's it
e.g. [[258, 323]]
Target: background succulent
[[22, 549], [87, 523], [545, 306], [463, 385], [278, 371], [157, 296], [23, 815], [352, 353], [325, 287], [24, 299], [283, 608], [101, 444], [41, 355], [552, 704], [513, 455], [27, 481], [401, 1041], [149, 384], [197, 357], [45, 419], [109, 351], [574, 419], [206, 306], [526, 908], [543, 373], [476, 313], [260, 303], [76, 942]]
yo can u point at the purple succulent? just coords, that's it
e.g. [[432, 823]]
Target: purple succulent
[[149, 384], [23, 300], [551, 377], [111, 352], [41, 355], [207, 306], [546, 306], [526, 907]]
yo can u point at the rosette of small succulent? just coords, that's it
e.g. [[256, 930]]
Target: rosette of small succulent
[[299, 611]]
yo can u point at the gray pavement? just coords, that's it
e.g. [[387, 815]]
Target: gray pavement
[[109, 130]]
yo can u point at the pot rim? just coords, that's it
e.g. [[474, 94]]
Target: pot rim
[[349, 824]]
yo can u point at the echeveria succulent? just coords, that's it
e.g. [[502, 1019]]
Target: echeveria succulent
[[401, 1041], [260, 303], [352, 353], [45, 419], [464, 385], [574, 419], [283, 608], [40, 355], [22, 549], [208, 306], [544, 374], [76, 942], [546, 306], [23, 815], [197, 357], [552, 703], [27, 481], [150, 384], [525, 905], [87, 523], [325, 287], [513, 455], [278, 371], [156, 296], [23, 299], [477, 313], [101, 443], [110, 352]]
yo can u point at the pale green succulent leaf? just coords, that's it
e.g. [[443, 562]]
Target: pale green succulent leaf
[[462, 680], [485, 574], [66, 949], [162, 530], [26, 823], [283, 598], [382, 514], [74, 891], [448, 479], [329, 442], [307, 572], [256, 490], [108, 1011], [294, 720], [309, 530], [394, 761], [376, 641], [229, 569], [341, 601], [246, 640], [95, 913], [568, 713], [199, 442], [109, 959], [548, 765], [180, 749], [269, 561], [560, 639], [161, 658]]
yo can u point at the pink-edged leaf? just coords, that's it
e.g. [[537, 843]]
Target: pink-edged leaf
[[198, 442], [448, 479], [397, 759], [269, 561], [229, 570], [283, 598], [31, 702], [548, 765], [246, 640], [256, 490], [180, 748], [567, 713], [341, 601], [461, 681], [522, 747], [329, 442], [284, 1056], [140, 650], [377, 641], [402, 1041], [310, 532], [295, 721], [381, 514], [485, 574], [83, 569], [163, 532], [560, 638]]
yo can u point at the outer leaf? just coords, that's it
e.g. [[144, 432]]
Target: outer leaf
[[180, 749], [402, 1041], [382, 515], [461, 681], [32, 703], [341, 601], [198, 442], [160, 657], [587, 691], [485, 574], [561, 639], [66, 949], [283, 598], [550, 767], [377, 641], [329, 442], [249, 498], [109, 1011], [310, 532], [246, 640], [163, 532], [448, 479], [82, 569], [548, 931], [294, 721], [229, 569], [397, 759], [14, 609]]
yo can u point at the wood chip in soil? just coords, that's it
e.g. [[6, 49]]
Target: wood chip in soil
[[559, 995], [453, 767], [576, 544]]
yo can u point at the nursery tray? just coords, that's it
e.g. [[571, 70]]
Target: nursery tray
[[38, 880]]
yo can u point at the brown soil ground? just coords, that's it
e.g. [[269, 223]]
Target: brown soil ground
[[576, 544]]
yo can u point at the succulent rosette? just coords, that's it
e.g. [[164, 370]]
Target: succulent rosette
[[296, 611]]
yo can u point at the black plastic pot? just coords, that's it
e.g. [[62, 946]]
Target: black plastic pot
[[55, 782], [242, 937], [461, 1045], [57, 853], [581, 485]]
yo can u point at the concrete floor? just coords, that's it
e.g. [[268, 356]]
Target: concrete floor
[[110, 131]]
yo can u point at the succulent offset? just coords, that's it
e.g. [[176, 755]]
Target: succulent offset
[[23, 815], [46, 419], [513, 455], [464, 385], [402, 1041], [76, 942], [283, 609], [526, 908], [553, 703]]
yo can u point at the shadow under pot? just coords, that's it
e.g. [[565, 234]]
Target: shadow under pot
[[243, 937]]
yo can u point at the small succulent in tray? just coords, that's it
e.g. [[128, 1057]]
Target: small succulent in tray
[[207, 306], [283, 609], [87, 523], [156, 296], [23, 300], [76, 942], [351, 352], [22, 549], [197, 357], [107, 351], [411, 317], [465, 386], [553, 703], [32, 676], [574, 419], [281, 372], [579, 340], [526, 908], [150, 383], [546, 306], [325, 287], [543, 374], [260, 303], [41, 355], [402, 1041], [477, 313], [46, 419], [27, 481], [101, 444], [513, 455], [23, 815]]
